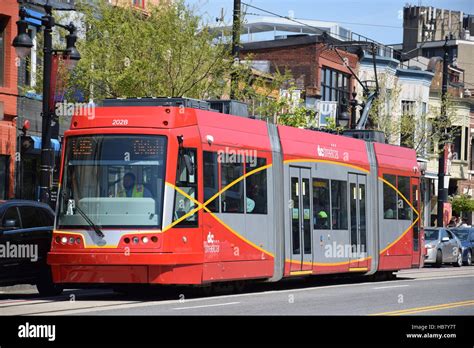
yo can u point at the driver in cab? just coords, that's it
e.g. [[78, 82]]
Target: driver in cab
[[131, 189]]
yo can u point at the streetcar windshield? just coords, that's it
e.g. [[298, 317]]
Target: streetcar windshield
[[431, 234], [115, 180]]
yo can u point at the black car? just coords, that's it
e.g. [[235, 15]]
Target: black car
[[26, 229]]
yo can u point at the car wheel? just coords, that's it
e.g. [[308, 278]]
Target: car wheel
[[458, 262], [439, 258], [469, 258], [46, 286]]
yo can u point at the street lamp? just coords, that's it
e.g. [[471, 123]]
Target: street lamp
[[23, 45], [22, 41], [344, 117]]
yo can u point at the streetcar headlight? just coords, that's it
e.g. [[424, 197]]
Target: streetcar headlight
[[135, 240], [71, 240], [145, 239], [64, 240], [78, 240]]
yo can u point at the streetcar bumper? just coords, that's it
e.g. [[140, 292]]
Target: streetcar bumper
[[108, 267]]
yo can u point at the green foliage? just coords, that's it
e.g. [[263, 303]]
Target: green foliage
[[462, 204], [414, 130], [298, 117], [168, 52]]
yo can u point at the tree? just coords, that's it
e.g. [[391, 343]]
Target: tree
[[167, 52], [462, 204], [409, 125], [170, 51]]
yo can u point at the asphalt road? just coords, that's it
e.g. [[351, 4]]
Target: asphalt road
[[428, 291]]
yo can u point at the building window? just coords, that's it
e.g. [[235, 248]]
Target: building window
[[456, 133], [232, 199], [471, 164], [4, 162], [321, 204], [335, 86], [466, 143], [3, 26], [256, 188], [339, 204], [211, 180], [407, 133]]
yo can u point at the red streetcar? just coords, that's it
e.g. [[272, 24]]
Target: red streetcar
[[162, 191]]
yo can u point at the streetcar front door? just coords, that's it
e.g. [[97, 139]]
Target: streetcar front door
[[300, 217], [357, 219]]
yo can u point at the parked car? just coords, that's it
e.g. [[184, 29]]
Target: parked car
[[25, 239], [442, 246], [466, 236]]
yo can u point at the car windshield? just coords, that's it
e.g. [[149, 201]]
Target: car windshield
[[115, 180], [462, 235], [431, 234]]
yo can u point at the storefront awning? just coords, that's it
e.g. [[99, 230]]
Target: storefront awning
[[55, 144]]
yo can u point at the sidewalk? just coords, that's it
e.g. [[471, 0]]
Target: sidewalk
[[19, 289]]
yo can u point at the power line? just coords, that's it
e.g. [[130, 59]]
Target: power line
[[351, 23]]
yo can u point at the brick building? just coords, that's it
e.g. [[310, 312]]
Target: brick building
[[318, 71], [8, 96]]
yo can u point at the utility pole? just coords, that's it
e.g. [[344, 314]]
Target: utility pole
[[235, 46], [443, 191]]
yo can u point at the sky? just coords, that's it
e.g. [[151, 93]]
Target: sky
[[381, 20]]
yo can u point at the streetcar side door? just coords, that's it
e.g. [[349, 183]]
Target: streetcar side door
[[357, 220], [417, 244], [300, 217]]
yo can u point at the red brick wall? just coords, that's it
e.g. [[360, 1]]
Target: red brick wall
[[304, 61], [9, 12], [8, 147], [9, 90]]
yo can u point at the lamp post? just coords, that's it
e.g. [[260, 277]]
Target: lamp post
[[442, 190], [23, 45]]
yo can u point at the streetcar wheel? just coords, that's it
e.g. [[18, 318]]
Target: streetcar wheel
[[458, 262], [239, 286], [207, 290], [439, 258]]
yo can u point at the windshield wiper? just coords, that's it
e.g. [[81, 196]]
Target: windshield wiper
[[85, 217], [91, 224]]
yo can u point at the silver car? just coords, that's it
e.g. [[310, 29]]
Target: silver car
[[442, 246]]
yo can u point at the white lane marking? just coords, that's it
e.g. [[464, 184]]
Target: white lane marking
[[167, 302], [204, 306], [390, 287]]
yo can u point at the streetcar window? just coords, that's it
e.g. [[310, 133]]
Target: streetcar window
[[389, 197], [186, 194], [404, 210], [256, 187], [211, 180], [232, 199], [339, 204], [321, 204]]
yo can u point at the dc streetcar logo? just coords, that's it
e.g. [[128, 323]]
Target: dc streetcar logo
[[211, 245]]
